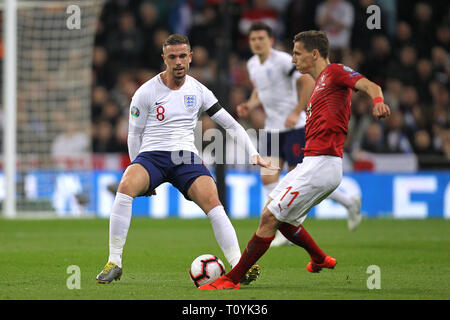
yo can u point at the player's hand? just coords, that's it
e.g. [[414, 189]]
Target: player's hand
[[256, 159], [381, 110], [242, 110], [292, 120]]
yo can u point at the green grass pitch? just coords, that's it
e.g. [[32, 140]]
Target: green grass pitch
[[413, 257]]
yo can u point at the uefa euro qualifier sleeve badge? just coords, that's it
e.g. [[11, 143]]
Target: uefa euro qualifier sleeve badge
[[189, 102], [135, 111]]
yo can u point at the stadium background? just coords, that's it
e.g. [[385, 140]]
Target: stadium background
[[403, 161]]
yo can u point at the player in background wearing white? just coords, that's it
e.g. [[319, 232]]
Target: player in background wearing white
[[283, 92], [163, 114]]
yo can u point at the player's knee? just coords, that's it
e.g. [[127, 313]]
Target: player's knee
[[268, 224], [131, 187], [210, 202], [126, 187]]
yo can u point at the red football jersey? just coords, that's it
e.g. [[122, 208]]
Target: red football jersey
[[328, 111]]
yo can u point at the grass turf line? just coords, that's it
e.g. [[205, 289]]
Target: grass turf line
[[413, 256]]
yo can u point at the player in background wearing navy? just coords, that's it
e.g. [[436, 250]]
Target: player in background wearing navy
[[283, 92], [163, 114], [328, 113]]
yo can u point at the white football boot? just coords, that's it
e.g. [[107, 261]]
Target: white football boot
[[354, 214]]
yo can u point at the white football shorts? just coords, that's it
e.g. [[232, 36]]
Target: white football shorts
[[305, 186]]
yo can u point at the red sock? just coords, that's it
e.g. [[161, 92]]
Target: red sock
[[256, 247], [299, 236]]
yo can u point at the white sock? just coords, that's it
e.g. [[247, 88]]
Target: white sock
[[225, 235], [341, 197], [268, 188], [119, 223]]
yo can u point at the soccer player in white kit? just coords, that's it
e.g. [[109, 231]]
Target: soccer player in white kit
[[283, 92], [328, 113], [163, 114]]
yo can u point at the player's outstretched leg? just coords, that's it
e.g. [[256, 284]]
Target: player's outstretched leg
[[299, 236], [110, 272], [255, 249]]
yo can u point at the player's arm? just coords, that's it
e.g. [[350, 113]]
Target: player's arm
[[380, 109], [305, 86], [136, 124], [244, 109], [232, 127]]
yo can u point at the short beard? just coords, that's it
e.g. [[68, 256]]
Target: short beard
[[178, 78]]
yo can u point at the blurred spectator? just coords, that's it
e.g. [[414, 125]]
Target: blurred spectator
[[113, 10], [423, 144], [440, 60], [443, 36], [392, 93], [71, 142], [299, 16], [180, 17], [423, 28], [389, 10], [336, 18], [104, 72], [373, 140], [110, 112], [410, 61], [202, 67], [379, 55], [104, 139], [360, 121], [148, 23], [396, 137], [124, 89], [445, 137], [403, 37], [204, 29], [424, 70], [126, 44], [409, 99], [405, 69], [99, 98], [152, 57], [260, 11]]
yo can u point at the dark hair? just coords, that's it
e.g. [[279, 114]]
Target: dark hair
[[314, 39], [176, 39], [257, 26]]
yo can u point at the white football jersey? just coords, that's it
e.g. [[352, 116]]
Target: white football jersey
[[166, 118], [275, 82]]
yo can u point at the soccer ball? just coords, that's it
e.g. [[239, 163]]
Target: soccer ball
[[205, 269]]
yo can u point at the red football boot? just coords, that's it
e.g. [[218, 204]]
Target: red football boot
[[223, 283], [328, 263]]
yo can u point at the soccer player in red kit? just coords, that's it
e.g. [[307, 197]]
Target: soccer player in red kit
[[328, 113]]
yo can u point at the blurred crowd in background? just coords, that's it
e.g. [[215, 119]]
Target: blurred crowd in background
[[408, 57]]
